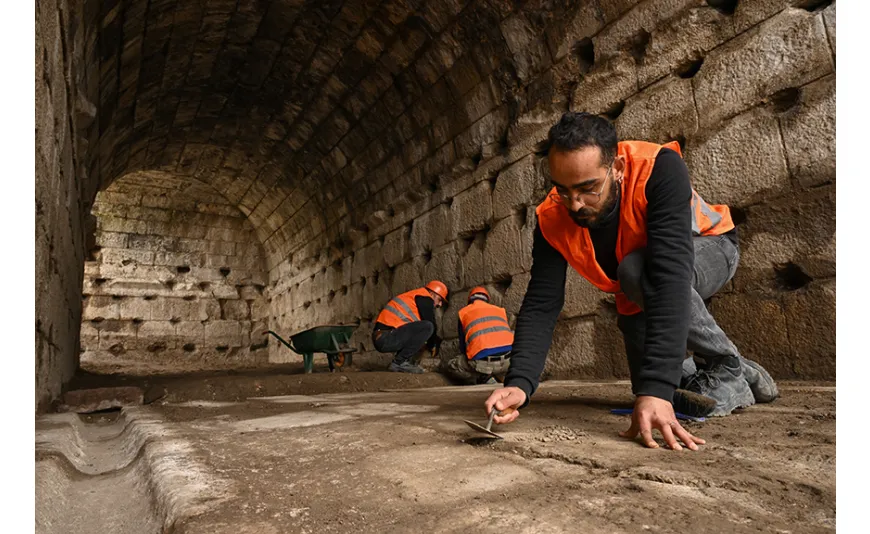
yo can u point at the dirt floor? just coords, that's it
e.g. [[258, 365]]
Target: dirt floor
[[372, 452]]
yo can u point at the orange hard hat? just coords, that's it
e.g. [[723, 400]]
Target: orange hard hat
[[438, 287], [478, 291]]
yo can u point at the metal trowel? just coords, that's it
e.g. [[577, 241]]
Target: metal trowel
[[486, 429]]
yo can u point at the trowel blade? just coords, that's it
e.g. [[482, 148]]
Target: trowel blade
[[483, 429]]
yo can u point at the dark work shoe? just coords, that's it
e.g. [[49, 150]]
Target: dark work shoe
[[406, 367], [760, 382], [721, 379]]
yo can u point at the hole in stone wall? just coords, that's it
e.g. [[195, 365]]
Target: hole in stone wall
[[377, 277], [97, 320], [344, 290], [638, 46], [225, 271], [306, 304], [585, 51], [493, 179], [427, 256], [391, 211], [126, 262], [317, 301], [204, 286], [466, 243], [681, 140], [815, 5], [149, 297], [160, 346], [615, 111], [189, 298], [786, 99], [432, 186], [117, 349], [181, 269], [175, 320], [117, 297], [738, 215], [188, 347], [790, 277], [362, 281], [330, 296], [222, 348], [92, 252], [169, 284], [258, 346], [323, 270], [503, 284], [690, 69], [723, 6], [477, 157], [138, 320], [99, 281]]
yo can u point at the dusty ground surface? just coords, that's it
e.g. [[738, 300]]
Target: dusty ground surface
[[404, 461]]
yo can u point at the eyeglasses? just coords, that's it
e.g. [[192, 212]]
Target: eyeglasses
[[587, 199]]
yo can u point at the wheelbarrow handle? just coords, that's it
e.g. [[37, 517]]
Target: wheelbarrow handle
[[282, 340]]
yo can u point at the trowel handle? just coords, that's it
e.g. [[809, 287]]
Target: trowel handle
[[492, 413]]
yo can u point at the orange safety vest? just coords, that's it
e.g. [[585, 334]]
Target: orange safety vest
[[402, 310], [575, 245], [486, 327]]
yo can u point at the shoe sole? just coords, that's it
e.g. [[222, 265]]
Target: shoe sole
[[762, 394], [693, 404]]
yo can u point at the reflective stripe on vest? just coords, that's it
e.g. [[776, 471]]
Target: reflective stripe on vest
[[402, 309], [575, 245], [486, 327]]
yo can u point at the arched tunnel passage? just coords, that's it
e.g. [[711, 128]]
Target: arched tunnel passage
[[174, 282], [365, 142], [284, 164]]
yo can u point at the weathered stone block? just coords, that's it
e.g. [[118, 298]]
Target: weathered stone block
[[227, 333], [633, 24], [508, 249], [786, 51], [116, 332], [396, 247], [748, 13], [683, 39], [811, 316], [171, 308], [611, 81], [529, 51], [190, 332], [581, 297], [431, 230], [572, 353], [809, 131], [785, 241], [134, 308], [661, 113], [519, 185], [740, 163], [513, 298], [471, 262], [407, 276], [367, 261], [100, 307], [830, 16], [471, 210], [443, 266], [156, 329], [583, 20], [758, 327], [487, 130], [235, 310]]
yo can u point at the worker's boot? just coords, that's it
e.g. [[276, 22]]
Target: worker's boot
[[760, 382], [721, 379], [406, 366]]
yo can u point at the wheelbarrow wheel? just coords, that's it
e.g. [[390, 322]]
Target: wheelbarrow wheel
[[342, 359]]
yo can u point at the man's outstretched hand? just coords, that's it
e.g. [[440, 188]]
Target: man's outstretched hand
[[653, 412], [503, 398]]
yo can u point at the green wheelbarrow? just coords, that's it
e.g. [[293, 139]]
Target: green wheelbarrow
[[332, 340]]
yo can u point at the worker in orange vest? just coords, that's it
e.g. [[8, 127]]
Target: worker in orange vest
[[485, 340], [407, 324], [624, 216]]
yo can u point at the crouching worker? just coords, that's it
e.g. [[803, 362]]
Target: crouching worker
[[407, 324], [485, 341]]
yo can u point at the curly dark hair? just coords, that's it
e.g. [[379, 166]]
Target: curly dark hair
[[580, 130]]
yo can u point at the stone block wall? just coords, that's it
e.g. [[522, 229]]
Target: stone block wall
[[174, 281], [748, 91], [374, 145]]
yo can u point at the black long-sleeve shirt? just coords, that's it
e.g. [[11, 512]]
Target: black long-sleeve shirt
[[669, 262], [426, 307]]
